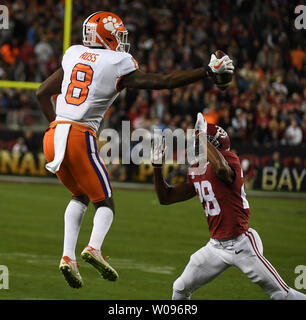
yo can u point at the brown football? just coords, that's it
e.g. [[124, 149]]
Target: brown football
[[223, 80]]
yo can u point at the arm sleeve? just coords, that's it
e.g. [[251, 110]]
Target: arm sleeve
[[67, 55]]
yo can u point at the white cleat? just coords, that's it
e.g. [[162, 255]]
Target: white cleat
[[69, 269], [94, 257]]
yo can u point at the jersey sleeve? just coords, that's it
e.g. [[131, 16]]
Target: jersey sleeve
[[126, 65], [67, 55]]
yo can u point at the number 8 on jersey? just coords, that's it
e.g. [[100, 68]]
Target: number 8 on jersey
[[80, 80]]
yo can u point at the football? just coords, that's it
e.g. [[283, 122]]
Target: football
[[223, 80]]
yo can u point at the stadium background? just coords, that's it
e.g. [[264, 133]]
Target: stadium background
[[264, 109]]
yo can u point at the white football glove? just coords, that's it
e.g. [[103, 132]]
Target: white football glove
[[200, 125], [217, 66], [158, 150]]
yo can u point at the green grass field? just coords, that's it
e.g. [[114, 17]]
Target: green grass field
[[149, 245]]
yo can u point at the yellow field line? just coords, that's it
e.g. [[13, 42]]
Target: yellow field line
[[19, 84]]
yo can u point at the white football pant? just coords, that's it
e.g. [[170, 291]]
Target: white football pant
[[244, 252]]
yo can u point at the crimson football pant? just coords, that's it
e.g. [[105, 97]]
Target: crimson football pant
[[244, 252]]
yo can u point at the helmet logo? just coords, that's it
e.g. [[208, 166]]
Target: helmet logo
[[110, 23], [221, 133]]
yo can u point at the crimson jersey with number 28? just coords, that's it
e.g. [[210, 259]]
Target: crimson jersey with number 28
[[226, 207]]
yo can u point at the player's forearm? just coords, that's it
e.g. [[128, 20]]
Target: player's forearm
[[48, 88], [182, 78], [162, 189], [219, 164], [217, 161], [158, 81], [171, 194], [46, 106]]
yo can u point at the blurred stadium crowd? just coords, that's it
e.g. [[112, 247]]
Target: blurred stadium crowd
[[265, 105]]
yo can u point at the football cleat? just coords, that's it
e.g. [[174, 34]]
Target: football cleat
[[69, 269], [94, 257]]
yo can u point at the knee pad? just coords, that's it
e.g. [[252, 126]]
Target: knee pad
[[179, 285], [179, 290]]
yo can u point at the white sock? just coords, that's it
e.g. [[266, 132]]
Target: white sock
[[73, 219], [101, 224]]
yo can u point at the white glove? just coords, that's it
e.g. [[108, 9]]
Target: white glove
[[158, 150], [217, 66], [200, 125]]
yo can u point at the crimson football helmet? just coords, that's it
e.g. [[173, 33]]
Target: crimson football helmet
[[218, 137], [105, 29]]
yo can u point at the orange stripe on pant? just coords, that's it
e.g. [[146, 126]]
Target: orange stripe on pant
[[82, 171]]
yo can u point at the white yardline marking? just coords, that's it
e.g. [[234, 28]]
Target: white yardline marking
[[117, 263]]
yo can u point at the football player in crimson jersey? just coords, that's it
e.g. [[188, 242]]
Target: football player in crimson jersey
[[85, 86], [221, 191]]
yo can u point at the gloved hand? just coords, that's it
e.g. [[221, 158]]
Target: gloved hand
[[200, 125], [158, 150], [223, 65]]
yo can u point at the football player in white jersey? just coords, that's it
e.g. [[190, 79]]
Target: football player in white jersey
[[87, 83]]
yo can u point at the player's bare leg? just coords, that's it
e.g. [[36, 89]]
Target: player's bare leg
[[73, 219], [92, 253]]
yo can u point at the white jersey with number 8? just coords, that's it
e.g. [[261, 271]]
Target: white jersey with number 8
[[90, 83]]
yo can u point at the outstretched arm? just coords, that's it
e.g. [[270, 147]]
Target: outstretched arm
[[48, 88], [219, 164], [155, 81], [214, 156], [170, 194], [167, 194]]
